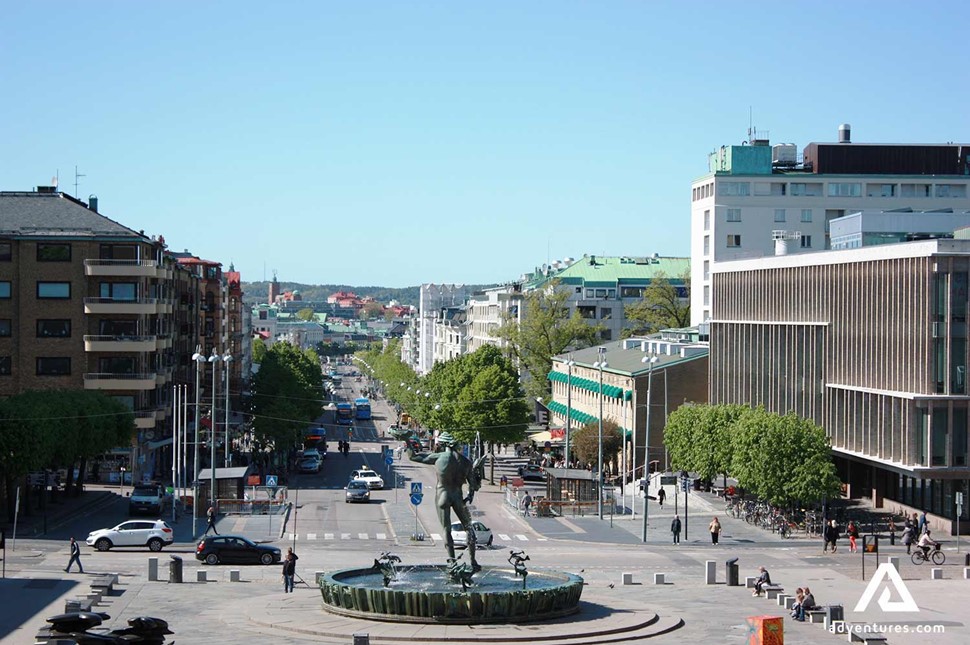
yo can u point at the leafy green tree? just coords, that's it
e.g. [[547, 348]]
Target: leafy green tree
[[306, 314], [664, 306], [547, 329], [585, 443], [371, 311], [259, 350]]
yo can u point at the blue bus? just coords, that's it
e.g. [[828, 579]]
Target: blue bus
[[362, 405], [345, 414]]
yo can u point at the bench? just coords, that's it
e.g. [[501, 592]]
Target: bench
[[772, 591], [816, 615], [77, 604], [749, 581], [857, 637], [104, 583]]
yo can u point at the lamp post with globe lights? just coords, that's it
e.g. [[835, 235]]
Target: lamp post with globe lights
[[650, 361], [600, 364]]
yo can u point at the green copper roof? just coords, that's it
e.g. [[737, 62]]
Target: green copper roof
[[599, 271]]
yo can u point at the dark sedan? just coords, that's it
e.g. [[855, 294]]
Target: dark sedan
[[235, 549], [533, 472]]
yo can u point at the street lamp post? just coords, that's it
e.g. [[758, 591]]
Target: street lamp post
[[569, 405], [199, 361], [214, 359], [649, 360], [600, 364], [226, 359]]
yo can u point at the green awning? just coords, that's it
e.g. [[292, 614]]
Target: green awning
[[589, 385], [573, 414]]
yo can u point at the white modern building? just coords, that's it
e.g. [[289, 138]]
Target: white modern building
[[450, 334], [757, 198], [433, 297], [488, 310]]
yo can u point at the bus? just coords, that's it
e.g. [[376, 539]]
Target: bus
[[362, 405], [345, 414]]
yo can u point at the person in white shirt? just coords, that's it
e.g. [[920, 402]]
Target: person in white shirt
[[925, 542]]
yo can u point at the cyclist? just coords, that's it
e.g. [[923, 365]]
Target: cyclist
[[925, 542]]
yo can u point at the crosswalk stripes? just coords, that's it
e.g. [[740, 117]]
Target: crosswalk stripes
[[436, 537], [363, 536], [328, 536], [345, 536], [311, 536], [503, 536], [381, 536], [521, 537]]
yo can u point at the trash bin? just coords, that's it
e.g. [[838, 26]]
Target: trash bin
[[731, 572], [175, 569], [833, 613]]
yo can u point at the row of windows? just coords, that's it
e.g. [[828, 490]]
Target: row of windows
[[832, 189], [45, 328], [58, 366], [46, 252], [62, 290], [734, 215], [734, 242]]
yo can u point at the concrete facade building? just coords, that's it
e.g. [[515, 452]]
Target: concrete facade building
[[433, 297], [871, 345], [488, 310], [450, 334], [751, 191]]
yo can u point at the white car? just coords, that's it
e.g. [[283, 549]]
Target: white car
[[483, 535], [372, 479], [154, 534]]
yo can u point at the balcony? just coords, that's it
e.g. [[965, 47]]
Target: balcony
[[165, 306], [165, 341], [112, 306], [163, 272], [161, 413], [121, 343], [121, 268], [119, 381], [163, 375], [144, 420]]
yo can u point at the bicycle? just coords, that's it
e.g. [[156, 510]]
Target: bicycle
[[936, 555]]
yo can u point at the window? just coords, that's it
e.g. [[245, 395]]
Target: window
[[606, 313], [591, 293], [118, 327], [914, 190], [806, 241], [734, 214], [119, 252], [707, 220], [733, 241], [707, 295], [779, 214], [4, 289], [5, 363], [6, 251], [53, 329], [880, 190], [845, 189], [806, 214], [54, 290], [53, 252], [6, 327], [53, 366], [116, 365], [631, 292], [119, 290], [707, 245], [736, 188], [806, 190], [707, 269]]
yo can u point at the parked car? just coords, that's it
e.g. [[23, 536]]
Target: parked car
[[235, 549], [357, 491], [483, 535], [309, 465], [147, 498], [533, 472], [154, 534], [314, 453], [373, 480]]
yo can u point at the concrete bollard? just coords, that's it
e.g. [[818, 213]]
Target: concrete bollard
[[894, 561], [233, 575], [966, 573], [153, 569], [660, 578], [200, 576], [627, 579], [789, 601], [749, 582], [782, 599], [710, 572], [936, 574]]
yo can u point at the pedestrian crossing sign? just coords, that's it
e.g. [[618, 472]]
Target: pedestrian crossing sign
[[271, 480], [416, 488]]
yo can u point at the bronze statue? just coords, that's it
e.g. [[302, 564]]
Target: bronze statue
[[454, 471]]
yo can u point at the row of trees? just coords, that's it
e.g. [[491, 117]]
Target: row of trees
[[54, 429], [287, 391], [784, 459]]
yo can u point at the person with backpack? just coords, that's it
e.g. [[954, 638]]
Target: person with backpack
[[908, 536], [853, 533], [831, 536]]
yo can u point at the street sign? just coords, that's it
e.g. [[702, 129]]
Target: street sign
[[416, 499], [271, 480], [416, 488], [389, 460]]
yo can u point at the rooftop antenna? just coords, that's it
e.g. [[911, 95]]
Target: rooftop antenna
[[750, 124], [77, 176], [56, 177]]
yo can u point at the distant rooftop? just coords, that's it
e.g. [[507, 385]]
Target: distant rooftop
[[605, 270]]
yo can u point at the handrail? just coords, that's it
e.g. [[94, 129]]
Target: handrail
[[142, 263], [141, 376], [119, 338]]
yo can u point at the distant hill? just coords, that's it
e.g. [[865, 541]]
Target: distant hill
[[256, 292]]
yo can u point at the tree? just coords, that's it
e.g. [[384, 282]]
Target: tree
[[547, 329], [259, 350], [370, 311], [585, 442], [665, 305], [306, 315]]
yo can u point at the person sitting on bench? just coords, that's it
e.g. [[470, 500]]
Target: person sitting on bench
[[763, 579], [807, 604]]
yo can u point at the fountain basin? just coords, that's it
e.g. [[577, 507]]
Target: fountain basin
[[426, 594]]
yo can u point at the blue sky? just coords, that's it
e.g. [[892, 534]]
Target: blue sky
[[395, 143]]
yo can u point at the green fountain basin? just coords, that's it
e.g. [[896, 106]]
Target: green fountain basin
[[426, 594]]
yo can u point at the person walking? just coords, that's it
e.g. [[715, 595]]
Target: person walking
[[908, 536], [210, 518], [675, 529], [853, 532], [75, 557], [526, 504], [715, 529], [832, 536], [922, 523], [661, 496], [289, 570]]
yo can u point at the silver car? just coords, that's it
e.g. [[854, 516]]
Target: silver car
[[483, 535], [357, 491], [154, 534]]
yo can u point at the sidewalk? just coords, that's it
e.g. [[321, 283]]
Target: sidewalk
[[55, 515]]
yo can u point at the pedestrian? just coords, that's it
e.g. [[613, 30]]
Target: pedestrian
[[832, 536], [763, 579], [807, 604], [210, 518], [853, 532], [675, 529], [922, 523], [289, 570], [75, 557], [526, 504], [799, 597], [908, 536], [661, 496], [892, 531], [715, 529]]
